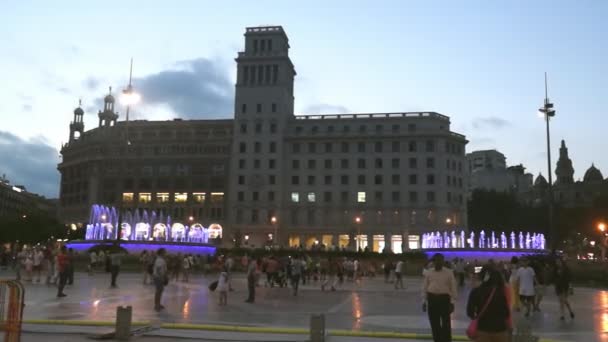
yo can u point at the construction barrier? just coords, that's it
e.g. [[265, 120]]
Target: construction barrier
[[12, 301]]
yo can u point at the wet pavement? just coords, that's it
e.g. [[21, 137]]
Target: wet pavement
[[370, 305]]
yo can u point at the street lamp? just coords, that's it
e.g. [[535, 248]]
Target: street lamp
[[601, 227], [190, 218], [548, 112], [275, 238], [358, 222], [129, 98], [448, 220]]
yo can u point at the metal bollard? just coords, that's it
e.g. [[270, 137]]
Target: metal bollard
[[123, 323], [317, 328]]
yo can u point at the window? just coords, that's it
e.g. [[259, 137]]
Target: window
[[244, 108], [344, 147], [396, 146], [273, 128], [395, 163], [241, 180], [344, 163], [198, 197], [378, 128], [295, 164], [242, 147], [270, 196], [396, 196], [361, 163], [378, 163], [311, 197], [258, 108], [327, 180], [295, 197], [274, 107], [257, 147], [361, 147], [295, 148], [361, 197], [328, 163], [311, 180], [330, 129], [430, 163], [460, 182], [378, 147], [395, 179], [459, 166], [314, 129], [240, 196], [255, 196], [411, 127], [430, 196], [162, 197], [327, 196], [430, 179], [180, 197], [145, 197], [275, 73], [272, 147], [243, 128], [295, 180], [412, 146], [272, 164], [217, 197], [312, 164], [272, 179], [413, 179], [449, 197], [258, 127], [294, 216], [312, 147], [346, 129], [447, 164], [378, 196], [344, 180], [328, 147], [413, 163], [378, 179], [362, 129], [255, 216], [395, 128], [430, 146], [361, 179], [310, 216], [413, 196], [344, 196], [256, 163]]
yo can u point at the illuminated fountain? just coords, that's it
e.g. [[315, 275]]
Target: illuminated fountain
[[142, 229], [450, 240]]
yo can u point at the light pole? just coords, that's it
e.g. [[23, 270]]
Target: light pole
[[548, 112], [602, 228], [275, 238], [358, 222]]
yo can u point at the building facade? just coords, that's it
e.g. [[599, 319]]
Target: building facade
[[488, 171], [356, 180], [16, 201]]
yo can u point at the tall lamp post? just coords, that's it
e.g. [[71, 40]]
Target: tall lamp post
[[548, 112], [358, 239], [275, 237], [602, 228]]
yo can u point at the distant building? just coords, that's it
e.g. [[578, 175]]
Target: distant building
[[16, 201]]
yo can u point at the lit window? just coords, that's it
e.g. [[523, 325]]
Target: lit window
[[311, 197], [217, 197], [295, 197], [361, 197], [199, 197], [181, 197], [145, 197], [127, 197], [162, 197]]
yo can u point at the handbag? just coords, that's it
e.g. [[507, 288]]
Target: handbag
[[213, 286], [472, 329]]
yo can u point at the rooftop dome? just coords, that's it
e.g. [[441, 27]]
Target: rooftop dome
[[109, 98], [593, 175], [540, 181], [78, 111]]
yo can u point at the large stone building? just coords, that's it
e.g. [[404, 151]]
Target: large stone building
[[488, 171], [16, 201], [375, 180]]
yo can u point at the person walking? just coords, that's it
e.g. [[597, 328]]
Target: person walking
[[251, 269], [186, 265], [70, 268], [115, 263], [62, 267], [147, 260], [296, 273], [38, 259], [525, 277], [222, 287], [489, 305], [514, 267], [542, 274], [561, 278], [439, 293], [399, 275], [332, 272], [160, 277]]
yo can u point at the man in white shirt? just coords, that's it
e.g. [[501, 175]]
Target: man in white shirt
[[526, 278], [159, 274], [38, 257], [439, 294], [399, 275]]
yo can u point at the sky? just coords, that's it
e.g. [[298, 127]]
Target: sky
[[480, 62]]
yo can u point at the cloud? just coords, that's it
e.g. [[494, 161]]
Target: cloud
[[91, 83], [63, 90], [193, 89], [32, 163], [27, 108], [324, 108], [490, 122]]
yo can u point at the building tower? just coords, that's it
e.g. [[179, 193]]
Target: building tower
[[108, 117], [77, 126], [264, 104], [564, 169]]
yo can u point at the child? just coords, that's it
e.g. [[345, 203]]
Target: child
[[222, 287]]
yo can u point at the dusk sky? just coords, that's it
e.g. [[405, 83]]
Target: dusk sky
[[479, 62]]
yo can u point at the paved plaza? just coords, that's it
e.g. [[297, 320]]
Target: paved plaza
[[369, 305]]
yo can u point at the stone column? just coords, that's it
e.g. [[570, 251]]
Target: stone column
[[406, 240]]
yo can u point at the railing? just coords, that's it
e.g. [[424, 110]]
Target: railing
[[265, 29], [12, 296], [372, 116]]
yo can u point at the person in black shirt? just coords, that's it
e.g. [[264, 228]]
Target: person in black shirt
[[493, 323], [562, 287]]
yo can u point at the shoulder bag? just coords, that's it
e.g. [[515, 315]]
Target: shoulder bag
[[472, 329]]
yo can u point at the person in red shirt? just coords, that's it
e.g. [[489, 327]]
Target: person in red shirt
[[62, 265]]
